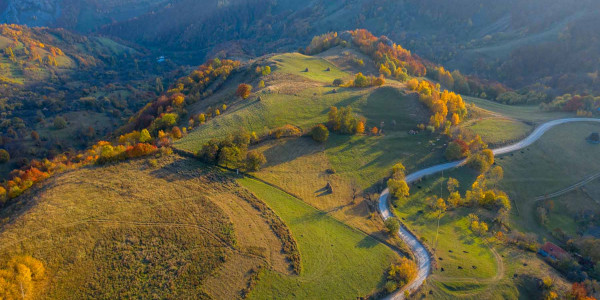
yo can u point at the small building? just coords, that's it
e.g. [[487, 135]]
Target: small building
[[553, 251]]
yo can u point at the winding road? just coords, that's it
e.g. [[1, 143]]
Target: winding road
[[418, 249]]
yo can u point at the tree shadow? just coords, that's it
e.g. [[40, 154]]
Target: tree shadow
[[367, 242]]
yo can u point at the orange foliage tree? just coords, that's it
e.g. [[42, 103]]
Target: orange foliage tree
[[243, 91]]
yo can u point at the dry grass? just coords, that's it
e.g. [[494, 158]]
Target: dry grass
[[128, 230]]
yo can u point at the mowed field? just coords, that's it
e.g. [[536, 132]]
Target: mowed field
[[338, 262], [177, 230]]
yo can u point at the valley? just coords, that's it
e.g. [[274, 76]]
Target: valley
[[205, 150]]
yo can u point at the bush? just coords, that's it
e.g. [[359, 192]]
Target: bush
[[4, 156], [338, 82], [285, 131], [320, 133]]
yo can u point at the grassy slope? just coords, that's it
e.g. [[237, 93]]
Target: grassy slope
[[530, 113], [102, 231], [338, 262], [560, 158]]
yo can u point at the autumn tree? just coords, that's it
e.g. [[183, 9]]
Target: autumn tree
[[456, 150], [145, 136], [452, 184], [266, 70], [360, 127], [320, 133], [243, 91], [398, 188], [403, 272], [379, 81], [176, 133]]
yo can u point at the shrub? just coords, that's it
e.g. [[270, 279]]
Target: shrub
[[320, 133], [285, 131], [338, 82]]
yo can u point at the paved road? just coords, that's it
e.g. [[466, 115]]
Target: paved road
[[418, 249]]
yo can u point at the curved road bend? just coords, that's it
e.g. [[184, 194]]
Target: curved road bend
[[419, 251]]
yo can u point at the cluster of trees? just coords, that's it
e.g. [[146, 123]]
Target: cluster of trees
[[361, 80], [322, 43], [483, 193], [342, 120], [448, 108], [478, 227], [481, 161], [22, 278], [473, 86], [384, 52], [232, 152], [167, 109], [203, 117], [105, 152], [400, 274], [583, 105], [458, 149]]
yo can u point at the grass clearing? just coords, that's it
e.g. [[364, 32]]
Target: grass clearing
[[496, 131], [296, 64], [338, 262]]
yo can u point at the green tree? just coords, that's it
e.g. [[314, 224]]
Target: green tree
[[392, 225], [338, 82], [60, 122], [320, 133], [255, 160], [4, 156], [361, 80]]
